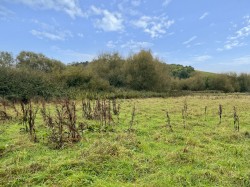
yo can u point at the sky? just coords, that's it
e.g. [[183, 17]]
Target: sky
[[210, 35]]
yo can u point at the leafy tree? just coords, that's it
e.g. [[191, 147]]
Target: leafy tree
[[23, 84], [74, 76], [181, 72], [38, 62], [233, 78], [197, 82], [6, 59], [80, 63], [110, 68], [141, 72], [220, 82], [244, 82]]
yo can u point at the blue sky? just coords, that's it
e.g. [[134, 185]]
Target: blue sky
[[210, 35]]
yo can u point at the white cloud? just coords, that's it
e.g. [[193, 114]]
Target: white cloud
[[59, 35], [136, 2], [5, 13], [129, 8], [111, 44], [189, 40], [237, 39], [110, 21], [202, 58], [230, 44], [154, 26], [203, 16], [245, 60], [166, 2], [81, 35], [198, 44], [44, 26], [134, 45], [70, 7], [50, 31]]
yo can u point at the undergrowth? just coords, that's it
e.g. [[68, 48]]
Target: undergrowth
[[146, 153]]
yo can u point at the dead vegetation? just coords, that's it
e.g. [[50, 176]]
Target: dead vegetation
[[236, 120], [63, 125], [220, 112], [168, 122], [184, 113]]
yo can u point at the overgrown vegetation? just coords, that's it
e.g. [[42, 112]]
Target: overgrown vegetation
[[32, 75], [72, 149], [76, 124]]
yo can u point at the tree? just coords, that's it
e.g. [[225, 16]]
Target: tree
[[180, 71], [6, 59], [244, 82], [38, 62], [220, 82], [110, 68], [141, 71]]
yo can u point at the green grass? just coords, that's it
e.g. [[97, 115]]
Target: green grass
[[205, 153]]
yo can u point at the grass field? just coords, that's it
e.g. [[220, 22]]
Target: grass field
[[205, 153]]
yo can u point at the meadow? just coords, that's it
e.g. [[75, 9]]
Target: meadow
[[175, 141]]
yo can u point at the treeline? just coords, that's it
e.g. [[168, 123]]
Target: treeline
[[31, 74]]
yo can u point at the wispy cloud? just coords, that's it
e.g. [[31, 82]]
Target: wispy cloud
[[202, 58], [111, 44], [131, 45], [237, 39], [166, 2], [70, 7], [135, 45], [51, 32], [204, 15], [5, 13], [244, 60], [155, 26], [59, 35], [189, 40], [136, 3], [129, 8], [109, 21], [81, 35]]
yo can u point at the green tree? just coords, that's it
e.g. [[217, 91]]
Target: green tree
[[110, 68], [6, 59], [38, 62], [141, 72], [244, 82], [180, 71], [220, 82]]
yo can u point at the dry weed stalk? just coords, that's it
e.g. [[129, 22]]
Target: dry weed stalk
[[87, 109], [236, 120], [168, 123], [101, 110], [116, 110], [220, 112], [31, 116], [71, 121], [184, 113], [24, 120], [47, 118], [205, 113], [132, 121], [57, 131]]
